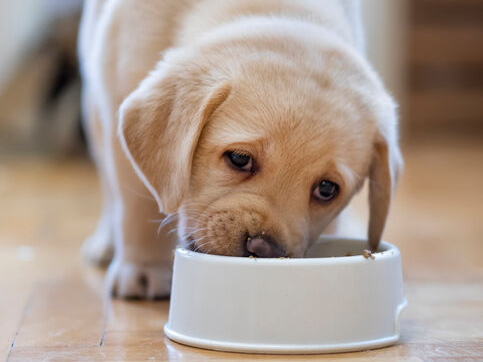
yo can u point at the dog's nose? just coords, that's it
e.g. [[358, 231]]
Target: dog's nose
[[263, 248]]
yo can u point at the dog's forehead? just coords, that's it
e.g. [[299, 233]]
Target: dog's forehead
[[328, 122]]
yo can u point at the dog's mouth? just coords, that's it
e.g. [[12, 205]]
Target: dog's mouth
[[260, 246], [243, 232]]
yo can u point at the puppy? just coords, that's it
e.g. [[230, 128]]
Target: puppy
[[254, 122]]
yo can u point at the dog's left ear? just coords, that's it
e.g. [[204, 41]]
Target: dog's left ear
[[385, 168], [160, 124]]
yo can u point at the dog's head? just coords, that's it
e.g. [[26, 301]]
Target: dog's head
[[259, 156]]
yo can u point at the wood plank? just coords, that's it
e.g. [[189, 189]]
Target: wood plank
[[449, 352], [33, 233], [441, 313], [65, 313], [439, 236], [141, 353], [136, 316], [13, 302]]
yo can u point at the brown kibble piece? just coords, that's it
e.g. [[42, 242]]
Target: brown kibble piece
[[368, 254]]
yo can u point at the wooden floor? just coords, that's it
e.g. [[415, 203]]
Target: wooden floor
[[51, 305]]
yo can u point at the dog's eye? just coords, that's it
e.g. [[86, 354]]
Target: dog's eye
[[326, 190], [241, 161]]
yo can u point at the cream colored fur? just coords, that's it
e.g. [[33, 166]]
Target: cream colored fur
[[170, 86]]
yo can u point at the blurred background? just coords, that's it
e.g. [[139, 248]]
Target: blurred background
[[39, 82]]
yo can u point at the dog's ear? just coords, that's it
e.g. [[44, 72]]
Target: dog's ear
[[160, 124], [385, 168]]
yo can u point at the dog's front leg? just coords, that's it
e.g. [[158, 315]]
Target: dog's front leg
[[142, 263]]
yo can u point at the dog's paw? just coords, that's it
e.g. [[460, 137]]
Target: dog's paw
[[138, 281], [98, 249]]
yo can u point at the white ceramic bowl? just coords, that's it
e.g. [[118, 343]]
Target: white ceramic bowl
[[328, 302]]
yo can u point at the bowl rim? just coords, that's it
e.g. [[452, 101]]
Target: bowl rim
[[390, 251]]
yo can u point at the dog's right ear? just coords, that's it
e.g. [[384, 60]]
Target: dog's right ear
[[384, 172], [160, 124]]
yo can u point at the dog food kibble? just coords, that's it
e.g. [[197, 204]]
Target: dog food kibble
[[368, 254]]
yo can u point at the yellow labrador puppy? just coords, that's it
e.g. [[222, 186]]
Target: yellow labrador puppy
[[253, 121]]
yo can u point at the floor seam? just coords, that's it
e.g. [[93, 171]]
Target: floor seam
[[25, 311], [107, 309]]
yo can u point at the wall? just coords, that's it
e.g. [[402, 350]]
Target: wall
[[23, 23]]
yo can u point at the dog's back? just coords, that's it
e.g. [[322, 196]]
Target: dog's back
[[122, 40]]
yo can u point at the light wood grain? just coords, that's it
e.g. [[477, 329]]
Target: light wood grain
[[74, 316], [52, 306]]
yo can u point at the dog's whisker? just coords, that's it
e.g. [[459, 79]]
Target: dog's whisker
[[171, 216], [175, 216], [194, 228], [194, 231], [160, 227], [193, 242], [192, 204], [169, 219], [172, 230], [166, 221], [162, 221], [190, 233], [204, 244]]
